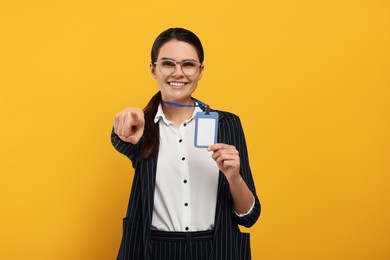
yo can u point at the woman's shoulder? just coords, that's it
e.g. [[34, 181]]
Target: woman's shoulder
[[228, 118], [226, 114]]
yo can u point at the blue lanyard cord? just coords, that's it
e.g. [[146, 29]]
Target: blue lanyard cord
[[198, 103]]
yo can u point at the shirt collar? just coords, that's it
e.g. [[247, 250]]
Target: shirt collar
[[160, 115]]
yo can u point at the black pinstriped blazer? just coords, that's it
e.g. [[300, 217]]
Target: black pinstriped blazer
[[229, 243]]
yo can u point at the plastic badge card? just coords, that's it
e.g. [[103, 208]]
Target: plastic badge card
[[206, 129]]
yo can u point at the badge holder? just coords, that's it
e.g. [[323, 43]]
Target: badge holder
[[206, 128]]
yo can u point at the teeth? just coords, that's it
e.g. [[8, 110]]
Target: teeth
[[177, 84]]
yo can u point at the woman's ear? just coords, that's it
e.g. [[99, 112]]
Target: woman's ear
[[201, 71], [153, 70]]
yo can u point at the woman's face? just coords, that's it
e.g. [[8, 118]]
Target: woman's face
[[177, 86]]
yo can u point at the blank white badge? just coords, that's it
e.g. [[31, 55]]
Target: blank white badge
[[206, 129]]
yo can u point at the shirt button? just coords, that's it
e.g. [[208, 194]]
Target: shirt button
[[185, 124], [187, 228], [183, 158], [181, 140], [185, 181], [186, 204]]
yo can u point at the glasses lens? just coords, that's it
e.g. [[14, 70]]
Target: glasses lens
[[189, 67], [167, 67]]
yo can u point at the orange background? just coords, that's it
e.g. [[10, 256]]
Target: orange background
[[309, 79]]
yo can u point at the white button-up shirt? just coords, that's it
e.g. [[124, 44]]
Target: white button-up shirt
[[186, 179]]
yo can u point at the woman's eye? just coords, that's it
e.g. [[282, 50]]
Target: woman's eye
[[189, 64], [168, 63]]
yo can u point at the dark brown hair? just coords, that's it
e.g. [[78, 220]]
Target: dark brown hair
[[179, 34], [151, 141], [152, 131]]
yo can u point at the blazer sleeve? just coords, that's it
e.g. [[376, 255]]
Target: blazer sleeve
[[130, 150], [249, 219]]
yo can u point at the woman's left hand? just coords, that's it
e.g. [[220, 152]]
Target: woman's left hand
[[228, 161], [227, 158]]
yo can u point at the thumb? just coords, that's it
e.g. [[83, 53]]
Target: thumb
[[137, 117]]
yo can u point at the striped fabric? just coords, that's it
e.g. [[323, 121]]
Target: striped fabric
[[228, 243], [181, 245]]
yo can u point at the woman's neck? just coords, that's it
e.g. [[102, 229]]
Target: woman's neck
[[178, 114]]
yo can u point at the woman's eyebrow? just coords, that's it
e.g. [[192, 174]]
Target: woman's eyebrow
[[165, 58]]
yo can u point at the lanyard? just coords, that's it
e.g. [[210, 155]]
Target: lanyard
[[198, 103]]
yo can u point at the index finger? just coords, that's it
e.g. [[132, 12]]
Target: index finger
[[217, 146]]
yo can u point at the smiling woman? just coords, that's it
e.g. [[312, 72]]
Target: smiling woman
[[186, 202], [178, 73]]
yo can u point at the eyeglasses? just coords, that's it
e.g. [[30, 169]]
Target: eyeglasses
[[168, 67]]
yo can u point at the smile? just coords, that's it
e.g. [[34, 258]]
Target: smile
[[177, 84]]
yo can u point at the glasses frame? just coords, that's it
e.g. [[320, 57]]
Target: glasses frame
[[156, 63]]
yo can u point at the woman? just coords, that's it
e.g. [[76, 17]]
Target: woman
[[186, 202]]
